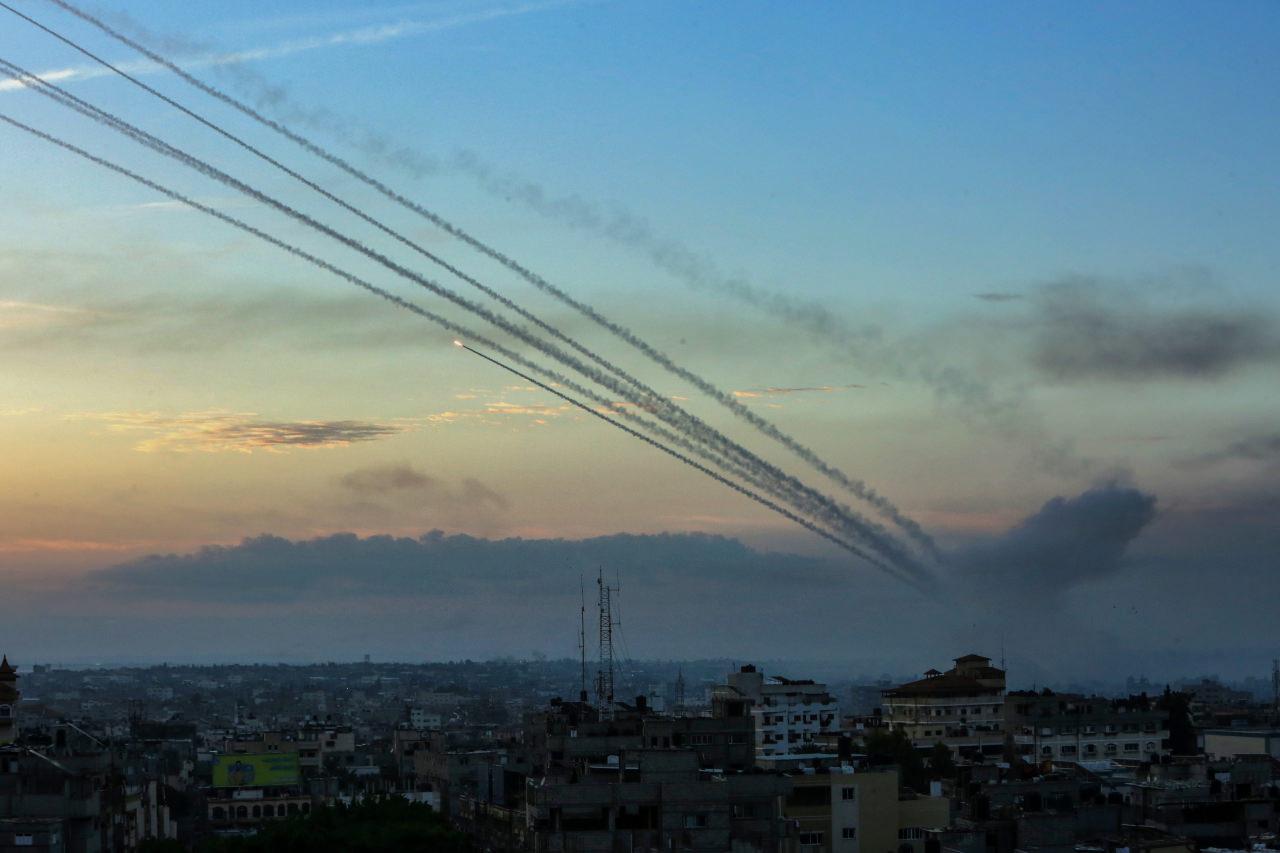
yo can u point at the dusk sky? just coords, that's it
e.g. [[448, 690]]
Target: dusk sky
[[1012, 265]]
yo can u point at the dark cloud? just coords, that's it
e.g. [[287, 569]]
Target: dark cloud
[[998, 296], [271, 568], [387, 478], [214, 432], [1069, 541], [1085, 331]]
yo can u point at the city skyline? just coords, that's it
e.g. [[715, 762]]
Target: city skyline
[[1012, 268]]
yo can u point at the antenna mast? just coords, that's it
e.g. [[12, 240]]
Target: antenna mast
[[604, 672], [582, 637]]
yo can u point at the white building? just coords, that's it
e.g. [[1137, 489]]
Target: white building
[[789, 714], [424, 720], [1070, 727]]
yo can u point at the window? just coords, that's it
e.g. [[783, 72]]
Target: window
[[1068, 750], [1151, 747], [1130, 747], [695, 821], [810, 838], [6, 712], [848, 793], [1111, 749], [849, 832], [701, 740], [24, 840], [910, 833]]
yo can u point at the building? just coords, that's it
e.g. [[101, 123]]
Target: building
[[1071, 727], [10, 696], [842, 810], [1229, 743], [962, 707], [789, 714], [642, 781], [1211, 693]]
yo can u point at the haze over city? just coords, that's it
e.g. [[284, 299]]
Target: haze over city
[[1009, 268]]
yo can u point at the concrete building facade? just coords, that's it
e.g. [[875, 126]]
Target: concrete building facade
[[789, 714], [962, 707]]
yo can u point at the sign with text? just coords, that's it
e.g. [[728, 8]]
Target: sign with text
[[244, 771]]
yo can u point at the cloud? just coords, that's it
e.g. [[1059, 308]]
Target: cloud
[[1069, 541], [362, 37], [401, 479], [998, 296], [271, 568], [388, 478], [750, 393], [219, 432], [1085, 331]]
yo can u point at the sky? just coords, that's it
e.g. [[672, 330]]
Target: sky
[[1013, 267]]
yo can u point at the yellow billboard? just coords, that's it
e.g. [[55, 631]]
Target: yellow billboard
[[243, 771]]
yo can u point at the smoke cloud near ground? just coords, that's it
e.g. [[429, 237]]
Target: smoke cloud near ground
[[1068, 542]]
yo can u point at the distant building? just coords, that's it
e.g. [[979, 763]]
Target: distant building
[[962, 707], [1071, 727], [790, 714], [865, 699], [10, 696], [422, 719], [1211, 693]]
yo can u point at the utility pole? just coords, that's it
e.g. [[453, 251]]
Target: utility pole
[[604, 671]]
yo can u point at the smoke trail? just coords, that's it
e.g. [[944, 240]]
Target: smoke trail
[[855, 486], [638, 435], [874, 535], [450, 326], [656, 398]]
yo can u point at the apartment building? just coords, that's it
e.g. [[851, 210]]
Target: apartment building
[[789, 714], [962, 707]]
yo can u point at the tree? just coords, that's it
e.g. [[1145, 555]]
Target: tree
[[894, 747], [941, 764]]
